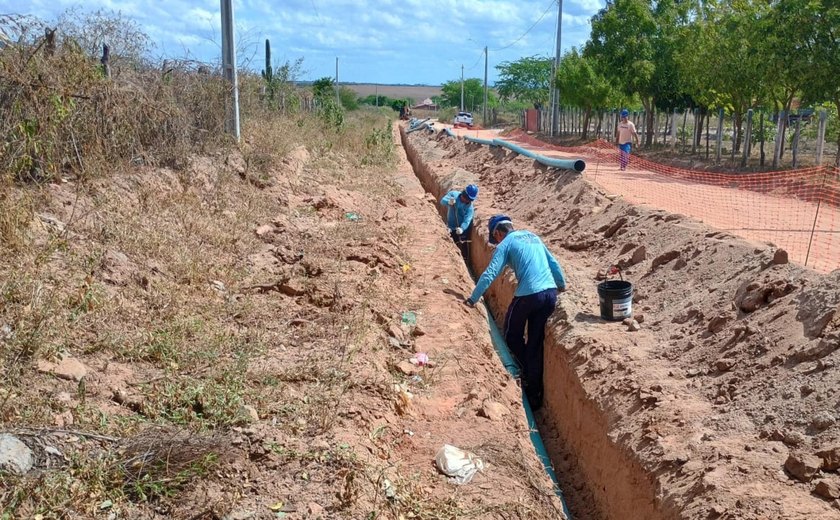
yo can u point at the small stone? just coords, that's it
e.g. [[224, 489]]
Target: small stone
[[724, 364], [263, 230], [718, 323], [493, 410], [418, 331], [241, 515], [830, 458], [793, 438], [639, 317], [822, 421], [64, 419], [68, 368], [780, 257], [15, 456], [394, 342], [248, 414], [634, 326], [639, 255], [315, 510], [395, 331], [407, 368], [803, 466], [827, 489]]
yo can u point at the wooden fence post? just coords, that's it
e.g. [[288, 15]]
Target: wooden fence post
[[780, 142], [796, 140], [719, 137], [106, 61], [674, 131], [761, 137], [821, 137], [696, 132]]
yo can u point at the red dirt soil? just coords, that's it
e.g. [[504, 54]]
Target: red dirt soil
[[784, 221], [723, 405]]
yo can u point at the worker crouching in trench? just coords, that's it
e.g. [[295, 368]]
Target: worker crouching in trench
[[459, 217]]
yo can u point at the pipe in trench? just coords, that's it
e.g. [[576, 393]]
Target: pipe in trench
[[577, 165], [510, 364]]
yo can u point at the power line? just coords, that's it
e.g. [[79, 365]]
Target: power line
[[547, 9], [480, 55]]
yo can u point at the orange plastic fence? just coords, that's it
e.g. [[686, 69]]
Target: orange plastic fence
[[797, 210]]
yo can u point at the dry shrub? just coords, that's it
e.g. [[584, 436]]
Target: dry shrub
[[58, 113], [161, 461]]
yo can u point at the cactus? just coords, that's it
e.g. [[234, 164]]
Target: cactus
[[267, 73]]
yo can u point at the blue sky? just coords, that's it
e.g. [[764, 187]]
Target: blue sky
[[397, 41]]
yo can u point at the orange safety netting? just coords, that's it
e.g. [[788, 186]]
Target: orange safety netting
[[797, 210]]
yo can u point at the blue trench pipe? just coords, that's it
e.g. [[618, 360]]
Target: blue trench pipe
[[577, 165]]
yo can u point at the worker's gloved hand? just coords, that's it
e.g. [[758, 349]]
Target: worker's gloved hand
[[459, 231], [451, 202], [469, 303]]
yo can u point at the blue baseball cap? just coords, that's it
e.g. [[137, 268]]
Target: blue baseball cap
[[624, 112]]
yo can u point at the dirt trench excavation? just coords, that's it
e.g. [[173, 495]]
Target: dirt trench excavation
[[720, 400]]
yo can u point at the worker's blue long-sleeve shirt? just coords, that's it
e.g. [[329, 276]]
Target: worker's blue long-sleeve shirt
[[460, 215], [535, 267]]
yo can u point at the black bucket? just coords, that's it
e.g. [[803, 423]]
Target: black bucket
[[616, 297]]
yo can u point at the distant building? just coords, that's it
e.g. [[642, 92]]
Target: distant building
[[427, 104]]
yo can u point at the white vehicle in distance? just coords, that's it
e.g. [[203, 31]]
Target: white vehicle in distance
[[463, 118]]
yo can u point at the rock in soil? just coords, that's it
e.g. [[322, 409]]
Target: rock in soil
[[827, 489], [68, 368], [803, 466], [830, 459], [493, 410], [823, 421], [15, 456]]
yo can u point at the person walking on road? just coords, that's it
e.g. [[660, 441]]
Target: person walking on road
[[625, 133], [539, 279], [459, 216]]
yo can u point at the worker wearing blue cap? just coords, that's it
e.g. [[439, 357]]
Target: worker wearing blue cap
[[625, 133], [539, 277], [459, 216]]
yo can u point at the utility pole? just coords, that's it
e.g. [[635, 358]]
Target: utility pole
[[337, 97], [555, 98], [462, 88], [229, 66], [485, 85]]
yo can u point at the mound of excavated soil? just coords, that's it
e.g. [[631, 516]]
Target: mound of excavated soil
[[723, 405]]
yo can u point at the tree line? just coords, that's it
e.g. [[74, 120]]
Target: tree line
[[658, 55]]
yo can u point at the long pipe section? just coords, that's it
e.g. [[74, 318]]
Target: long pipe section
[[577, 165]]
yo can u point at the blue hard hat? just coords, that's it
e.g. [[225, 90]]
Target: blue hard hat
[[495, 220], [471, 191], [624, 112]]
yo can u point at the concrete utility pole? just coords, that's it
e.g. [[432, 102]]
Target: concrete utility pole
[[555, 98], [229, 66], [462, 88], [485, 85]]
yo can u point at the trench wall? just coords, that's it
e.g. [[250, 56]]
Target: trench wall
[[621, 487]]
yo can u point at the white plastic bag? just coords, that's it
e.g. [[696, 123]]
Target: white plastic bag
[[459, 464]]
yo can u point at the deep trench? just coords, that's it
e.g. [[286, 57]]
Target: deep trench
[[599, 480]]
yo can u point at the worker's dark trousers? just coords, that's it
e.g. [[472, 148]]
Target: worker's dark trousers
[[532, 310], [461, 242]]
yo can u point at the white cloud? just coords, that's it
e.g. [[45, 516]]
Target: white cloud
[[405, 41]]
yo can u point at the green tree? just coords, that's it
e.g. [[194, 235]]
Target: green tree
[[725, 64], [526, 79], [323, 87], [814, 28], [580, 83], [473, 94], [637, 41], [348, 97]]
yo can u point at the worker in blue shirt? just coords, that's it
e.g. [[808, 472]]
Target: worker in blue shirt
[[459, 216], [539, 278]]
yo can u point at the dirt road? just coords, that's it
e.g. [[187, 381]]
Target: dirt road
[[783, 221]]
